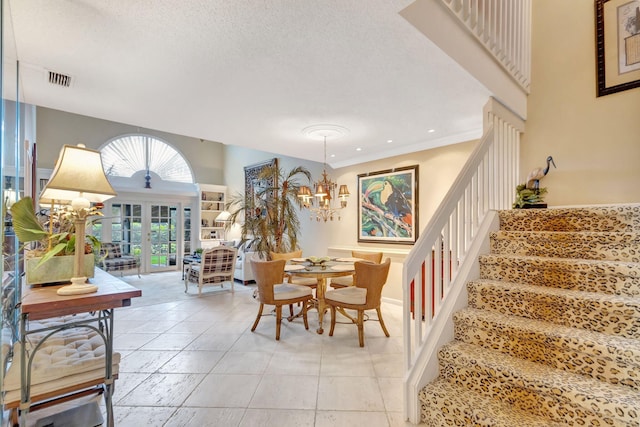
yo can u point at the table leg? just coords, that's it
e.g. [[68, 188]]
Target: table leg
[[322, 286]]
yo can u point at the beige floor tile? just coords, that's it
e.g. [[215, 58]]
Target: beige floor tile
[[170, 342], [206, 417], [127, 382], [351, 418], [350, 394], [125, 416], [224, 391], [251, 341], [396, 419], [131, 341], [391, 389], [346, 364], [278, 417], [388, 364], [189, 327], [148, 361], [286, 392], [163, 390], [192, 362], [292, 363], [213, 342], [243, 363]]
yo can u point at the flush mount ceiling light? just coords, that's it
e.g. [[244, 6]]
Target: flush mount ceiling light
[[321, 202]]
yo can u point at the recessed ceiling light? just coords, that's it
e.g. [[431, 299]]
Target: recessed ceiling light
[[431, 130], [333, 155], [358, 149], [389, 141]]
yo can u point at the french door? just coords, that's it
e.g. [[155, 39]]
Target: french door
[[149, 230]]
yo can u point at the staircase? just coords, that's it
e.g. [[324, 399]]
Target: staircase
[[551, 334]]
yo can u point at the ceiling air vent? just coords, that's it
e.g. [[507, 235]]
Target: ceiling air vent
[[59, 79]]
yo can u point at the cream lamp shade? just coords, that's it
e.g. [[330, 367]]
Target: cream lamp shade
[[78, 174]]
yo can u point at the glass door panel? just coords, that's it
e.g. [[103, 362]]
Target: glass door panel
[[162, 237]]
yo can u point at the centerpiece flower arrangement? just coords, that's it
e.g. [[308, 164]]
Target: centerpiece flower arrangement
[[314, 260]]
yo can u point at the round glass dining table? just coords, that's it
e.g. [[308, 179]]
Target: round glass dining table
[[320, 272]]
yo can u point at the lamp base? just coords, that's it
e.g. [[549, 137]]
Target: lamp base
[[77, 287]]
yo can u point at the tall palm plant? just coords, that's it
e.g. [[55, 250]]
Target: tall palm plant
[[271, 221]]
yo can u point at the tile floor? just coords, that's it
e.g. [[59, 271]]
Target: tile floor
[[193, 361]]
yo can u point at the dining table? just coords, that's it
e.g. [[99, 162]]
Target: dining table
[[321, 271]]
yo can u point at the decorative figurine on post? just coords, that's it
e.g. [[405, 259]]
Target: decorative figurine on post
[[530, 195]]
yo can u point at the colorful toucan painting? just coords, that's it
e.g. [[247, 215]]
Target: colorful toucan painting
[[387, 205]]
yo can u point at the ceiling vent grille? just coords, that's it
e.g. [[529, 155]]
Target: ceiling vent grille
[[59, 79]]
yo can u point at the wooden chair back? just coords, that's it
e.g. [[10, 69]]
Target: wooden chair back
[[267, 274], [372, 277], [285, 255], [368, 256]]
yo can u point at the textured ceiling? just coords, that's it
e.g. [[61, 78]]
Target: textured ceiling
[[251, 73]]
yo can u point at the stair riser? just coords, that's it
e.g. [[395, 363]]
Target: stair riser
[[539, 399], [449, 406], [609, 219], [558, 352], [616, 318], [616, 247], [605, 277]]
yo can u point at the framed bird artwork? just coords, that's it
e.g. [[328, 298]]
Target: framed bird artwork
[[388, 208]]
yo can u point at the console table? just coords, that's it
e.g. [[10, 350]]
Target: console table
[[39, 303]]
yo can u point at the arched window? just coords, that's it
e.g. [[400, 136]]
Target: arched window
[[127, 155]]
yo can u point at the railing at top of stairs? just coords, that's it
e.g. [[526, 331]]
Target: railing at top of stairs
[[443, 254], [503, 27]]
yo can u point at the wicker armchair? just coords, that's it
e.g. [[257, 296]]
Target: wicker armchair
[[269, 276], [366, 294]]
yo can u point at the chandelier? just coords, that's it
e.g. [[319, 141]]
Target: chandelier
[[322, 201]]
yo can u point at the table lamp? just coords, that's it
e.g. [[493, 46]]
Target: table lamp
[[78, 179]]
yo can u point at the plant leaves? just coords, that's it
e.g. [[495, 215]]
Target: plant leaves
[[25, 222]]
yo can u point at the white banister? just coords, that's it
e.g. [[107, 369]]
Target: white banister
[[503, 27], [444, 249]]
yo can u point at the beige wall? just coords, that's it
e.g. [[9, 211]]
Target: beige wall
[[56, 128], [595, 142]]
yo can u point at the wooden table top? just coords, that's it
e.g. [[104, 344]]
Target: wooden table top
[[42, 302]]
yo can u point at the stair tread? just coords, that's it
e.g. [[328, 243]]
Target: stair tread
[[581, 390], [571, 293], [629, 265], [462, 403], [624, 349]]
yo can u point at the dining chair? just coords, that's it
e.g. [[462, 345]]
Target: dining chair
[[344, 281], [216, 266], [296, 280], [366, 294], [269, 276]]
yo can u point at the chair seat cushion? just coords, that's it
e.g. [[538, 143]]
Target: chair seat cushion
[[348, 295], [305, 281], [289, 291]]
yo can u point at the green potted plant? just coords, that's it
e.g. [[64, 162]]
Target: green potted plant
[[54, 246], [271, 221]]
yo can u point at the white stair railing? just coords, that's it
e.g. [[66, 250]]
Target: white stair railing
[[503, 27], [487, 182]]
